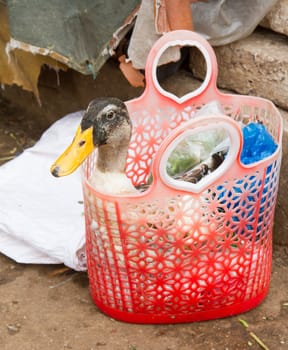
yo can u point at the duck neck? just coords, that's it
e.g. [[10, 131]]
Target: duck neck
[[112, 158]]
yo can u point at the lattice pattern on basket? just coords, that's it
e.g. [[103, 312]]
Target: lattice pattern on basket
[[149, 130], [185, 253]]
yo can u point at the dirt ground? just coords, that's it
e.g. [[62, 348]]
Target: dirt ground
[[43, 309]]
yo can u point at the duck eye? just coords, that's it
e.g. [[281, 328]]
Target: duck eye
[[110, 115]]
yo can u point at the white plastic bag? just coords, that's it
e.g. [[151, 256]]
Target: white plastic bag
[[224, 21], [41, 217], [219, 21]]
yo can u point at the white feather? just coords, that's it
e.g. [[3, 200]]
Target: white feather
[[112, 183]]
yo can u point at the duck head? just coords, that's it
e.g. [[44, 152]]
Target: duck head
[[105, 124]]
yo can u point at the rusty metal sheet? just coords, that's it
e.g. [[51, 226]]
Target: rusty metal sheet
[[82, 34]]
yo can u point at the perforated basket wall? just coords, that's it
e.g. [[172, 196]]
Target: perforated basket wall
[[176, 255]]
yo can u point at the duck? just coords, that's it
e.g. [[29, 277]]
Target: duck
[[105, 125]]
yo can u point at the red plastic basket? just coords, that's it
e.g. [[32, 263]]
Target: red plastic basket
[[184, 252]]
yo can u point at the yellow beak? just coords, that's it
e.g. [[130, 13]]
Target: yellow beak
[[75, 154]]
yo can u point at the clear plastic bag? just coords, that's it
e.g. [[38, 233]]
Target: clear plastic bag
[[194, 149], [224, 21]]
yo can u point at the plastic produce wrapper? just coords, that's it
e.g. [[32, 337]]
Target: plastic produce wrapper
[[194, 149], [41, 217]]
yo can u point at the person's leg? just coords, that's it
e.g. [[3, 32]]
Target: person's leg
[[179, 14]]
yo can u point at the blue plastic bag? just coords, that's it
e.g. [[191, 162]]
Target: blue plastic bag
[[258, 143]]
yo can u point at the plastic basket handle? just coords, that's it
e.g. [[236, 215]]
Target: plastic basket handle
[[193, 126], [180, 38]]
